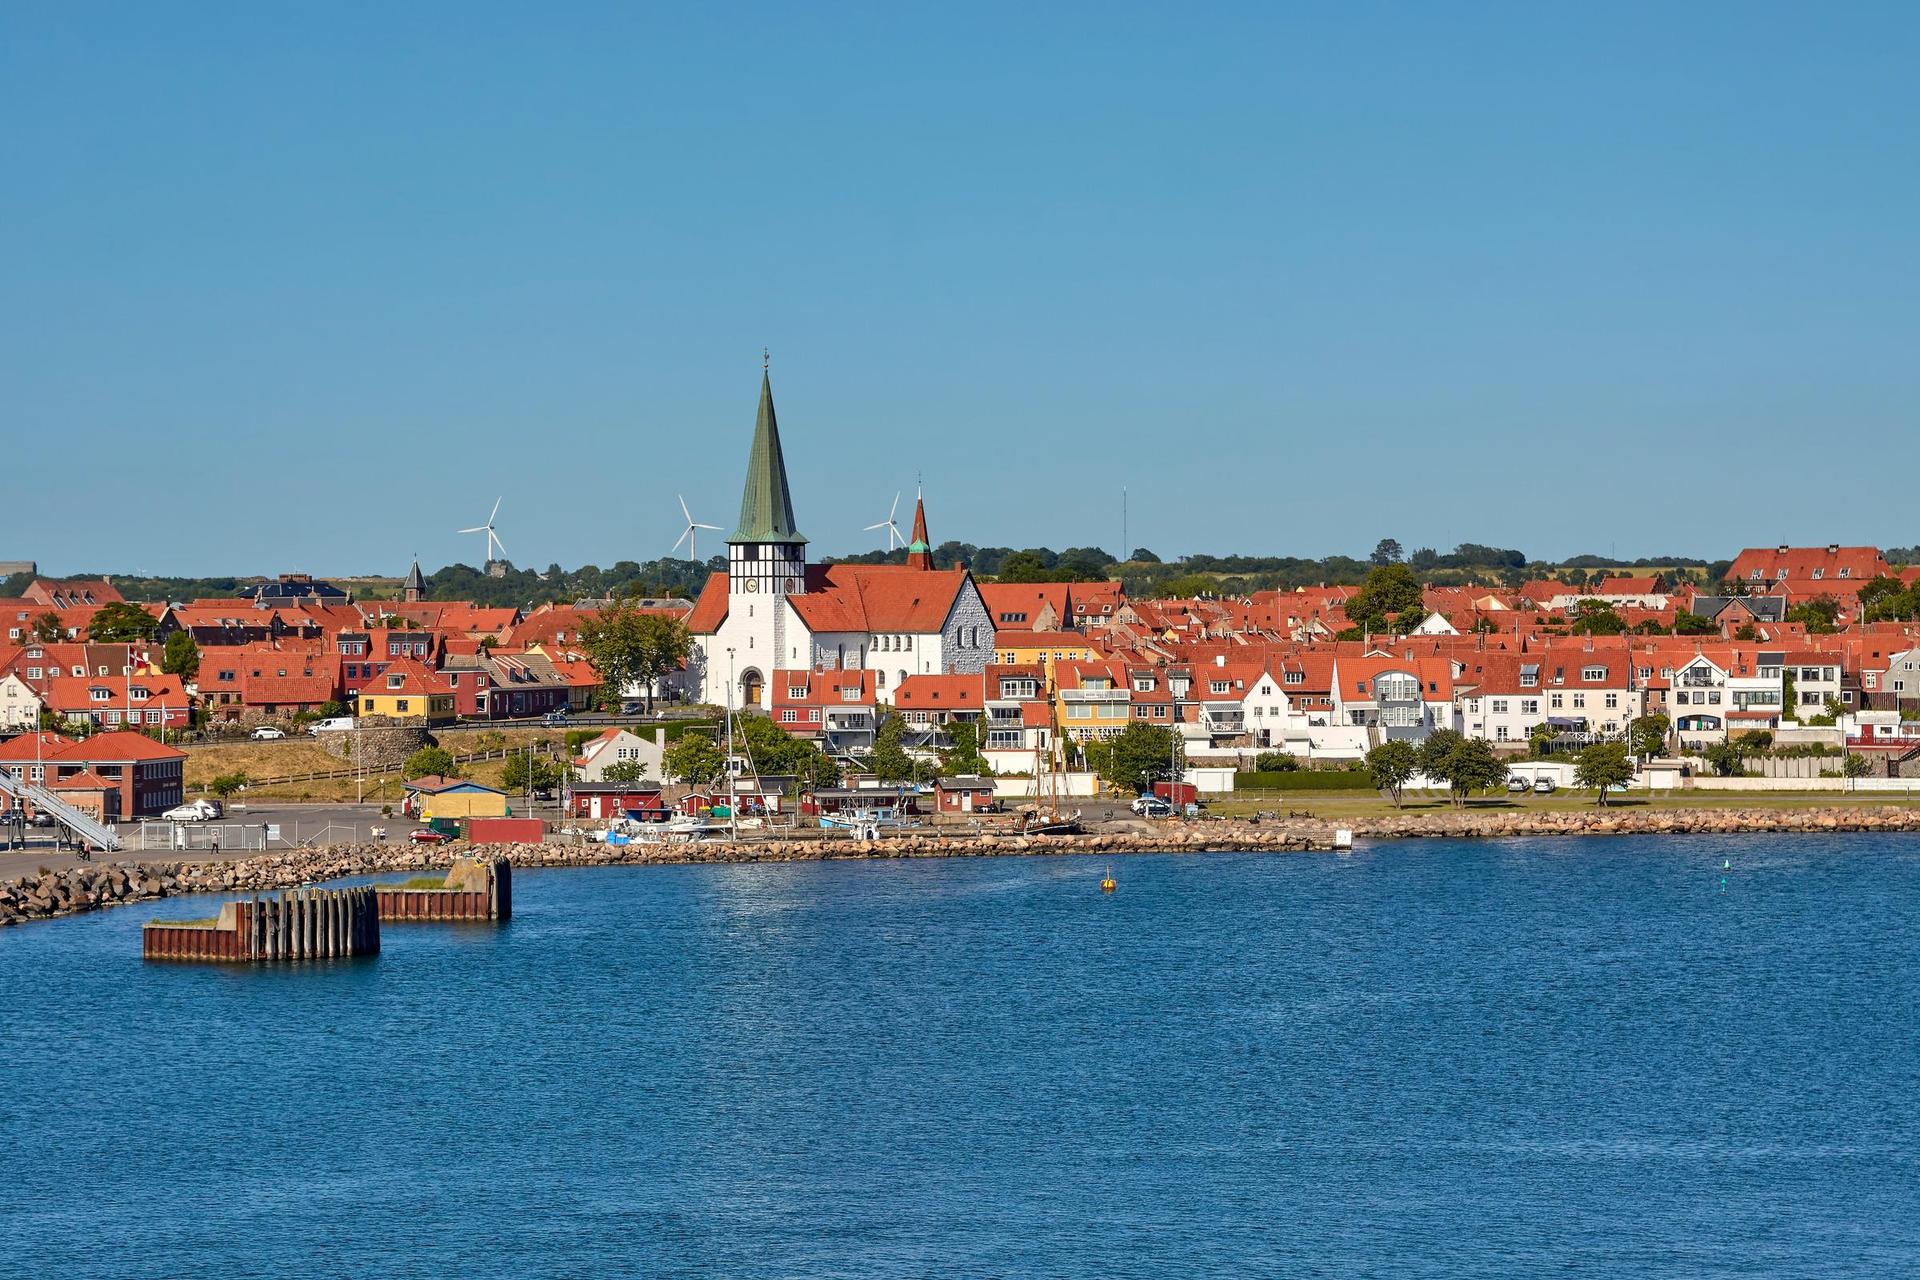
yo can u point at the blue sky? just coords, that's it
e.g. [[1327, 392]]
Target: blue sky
[[308, 288]]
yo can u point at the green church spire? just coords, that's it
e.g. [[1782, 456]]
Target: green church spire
[[766, 508]]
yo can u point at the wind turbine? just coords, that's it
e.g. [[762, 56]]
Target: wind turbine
[[496, 550], [894, 538], [690, 534]]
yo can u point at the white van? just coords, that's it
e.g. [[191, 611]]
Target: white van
[[338, 724]]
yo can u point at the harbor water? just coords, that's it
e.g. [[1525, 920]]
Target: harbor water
[[1690, 1057]]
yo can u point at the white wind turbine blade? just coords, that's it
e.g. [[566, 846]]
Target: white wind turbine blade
[[496, 508], [714, 527], [683, 508], [684, 535], [477, 529]]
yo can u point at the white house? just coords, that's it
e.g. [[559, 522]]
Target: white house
[[19, 705], [621, 746]]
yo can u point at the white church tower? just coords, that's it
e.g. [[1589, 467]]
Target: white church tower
[[766, 563]]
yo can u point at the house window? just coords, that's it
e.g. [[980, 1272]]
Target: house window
[[789, 716], [1499, 706], [400, 705], [1530, 706]]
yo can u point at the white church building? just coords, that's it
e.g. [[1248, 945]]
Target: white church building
[[773, 612]]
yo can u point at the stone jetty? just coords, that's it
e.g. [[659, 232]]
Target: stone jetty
[[65, 892]]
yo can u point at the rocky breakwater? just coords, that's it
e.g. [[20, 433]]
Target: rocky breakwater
[[55, 893], [1613, 821]]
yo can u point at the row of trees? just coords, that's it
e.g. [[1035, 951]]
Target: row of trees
[[1468, 765]]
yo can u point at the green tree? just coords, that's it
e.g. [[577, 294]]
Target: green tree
[[1605, 767], [1386, 551], [961, 755], [1647, 735], [1275, 762], [889, 760], [120, 622], [525, 772], [1727, 759], [1024, 566], [693, 760], [775, 751], [1855, 765], [629, 647], [1139, 756], [1392, 765], [1464, 764], [434, 761], [181, 657], [47, 628], [1389, 591], [1596, 617], [1540, 741], [1143, 556], [227, 784], [624, 772], [1820, 616], [1434, 750], [1692, 624]]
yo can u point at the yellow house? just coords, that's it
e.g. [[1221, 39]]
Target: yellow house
[[1091, 699], [435, 797], [406, 690], [1041, 649]]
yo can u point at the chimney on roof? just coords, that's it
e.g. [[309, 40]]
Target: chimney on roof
[[1833, 548], [1783, 548]]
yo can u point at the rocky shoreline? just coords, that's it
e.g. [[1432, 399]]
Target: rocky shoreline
[[47, 893]]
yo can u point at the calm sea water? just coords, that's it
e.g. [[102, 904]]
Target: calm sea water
[[1523, 1058]]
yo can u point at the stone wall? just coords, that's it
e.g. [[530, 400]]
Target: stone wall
[[382, 744]]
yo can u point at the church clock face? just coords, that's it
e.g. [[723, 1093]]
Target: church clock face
[[753, 584]]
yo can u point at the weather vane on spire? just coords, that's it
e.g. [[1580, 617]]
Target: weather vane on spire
[[766, 358]]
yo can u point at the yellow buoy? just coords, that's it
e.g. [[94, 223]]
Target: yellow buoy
[[1109, 884]]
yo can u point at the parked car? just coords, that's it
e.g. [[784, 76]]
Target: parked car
[[1152, 807], [193, 811], [267, 733], [555, 717], [1544, 787], [427, 835], [1518, 785], [334, 724]]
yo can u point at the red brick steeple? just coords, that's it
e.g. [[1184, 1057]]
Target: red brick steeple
[[919, 551]]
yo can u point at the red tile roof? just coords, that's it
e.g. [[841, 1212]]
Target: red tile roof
[[119, 747]]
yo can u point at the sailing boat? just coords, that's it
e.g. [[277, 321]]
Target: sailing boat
[[1051, 822]]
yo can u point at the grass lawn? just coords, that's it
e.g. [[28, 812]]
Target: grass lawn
[[303, 754]]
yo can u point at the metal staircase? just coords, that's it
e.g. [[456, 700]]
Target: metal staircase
[[98, 834]]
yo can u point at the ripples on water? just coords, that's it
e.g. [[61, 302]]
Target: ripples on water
[[1434, 1058]]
